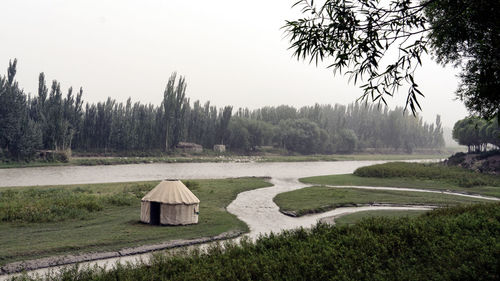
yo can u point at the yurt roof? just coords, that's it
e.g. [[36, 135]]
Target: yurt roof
[[171, 192]]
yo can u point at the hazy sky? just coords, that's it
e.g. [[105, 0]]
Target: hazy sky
[[231, 52]]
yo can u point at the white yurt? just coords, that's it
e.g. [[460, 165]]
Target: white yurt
[[170, 203]]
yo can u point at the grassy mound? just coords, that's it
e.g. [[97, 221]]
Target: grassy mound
[[317, 199], [453, 175], [449, 244]]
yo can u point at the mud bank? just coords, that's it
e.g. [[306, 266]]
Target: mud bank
[[30, 265]]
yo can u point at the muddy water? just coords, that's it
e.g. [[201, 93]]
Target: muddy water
[[257, 209], [158, 171]]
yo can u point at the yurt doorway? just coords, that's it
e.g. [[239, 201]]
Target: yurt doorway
[[155, 213]]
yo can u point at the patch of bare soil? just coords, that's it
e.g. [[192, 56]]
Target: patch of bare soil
[[485, 162]]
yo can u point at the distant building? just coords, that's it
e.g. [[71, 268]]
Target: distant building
[[219, 148], [189, 147]]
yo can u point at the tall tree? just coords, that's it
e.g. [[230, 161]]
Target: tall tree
[[222, 127], [174, 107], [12, 106], [20, 136]]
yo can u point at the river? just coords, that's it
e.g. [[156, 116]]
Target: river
[[58, 175]]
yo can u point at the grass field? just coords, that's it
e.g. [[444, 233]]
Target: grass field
[[317, 199], [354, 218], [113, 226], [437, 184], [445, 244], [93, 161]]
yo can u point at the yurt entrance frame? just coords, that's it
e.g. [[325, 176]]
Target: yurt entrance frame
[[154, 213]]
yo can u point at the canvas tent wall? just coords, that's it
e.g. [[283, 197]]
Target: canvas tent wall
[[170, 203]]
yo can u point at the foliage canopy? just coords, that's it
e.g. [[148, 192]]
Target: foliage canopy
[[382, 42], [476, 133]]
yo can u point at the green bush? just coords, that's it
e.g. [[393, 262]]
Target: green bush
[[459, 176], [449, 244]]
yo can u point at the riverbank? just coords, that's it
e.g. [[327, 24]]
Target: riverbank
[[319, 199], [414, 175], [390, 184], [94, 161], [115, 226]]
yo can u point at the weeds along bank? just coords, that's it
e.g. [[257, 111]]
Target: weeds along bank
[[458, 243]]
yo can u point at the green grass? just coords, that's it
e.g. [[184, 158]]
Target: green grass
[[351, 219], [317, 199], [446, 244], [350, 179], [93, 161], [117, 226], [433, 171]]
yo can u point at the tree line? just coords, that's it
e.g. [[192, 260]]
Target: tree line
[[53, 120], [476, 133]]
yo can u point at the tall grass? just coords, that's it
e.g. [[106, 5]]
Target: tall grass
[[455, 175], [56, 204], [448, 244]]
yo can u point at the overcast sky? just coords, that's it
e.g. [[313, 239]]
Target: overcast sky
[[231, 52]]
